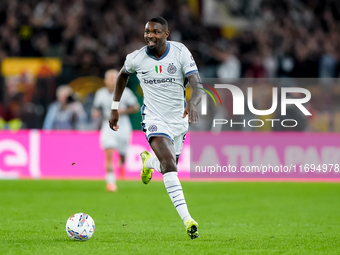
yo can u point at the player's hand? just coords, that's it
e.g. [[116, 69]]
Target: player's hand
[[114, 120], [192, 113]]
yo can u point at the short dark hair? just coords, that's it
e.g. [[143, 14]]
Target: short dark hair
[[160, 20]]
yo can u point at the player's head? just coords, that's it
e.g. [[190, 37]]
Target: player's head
[[156, 32], [110, 79]]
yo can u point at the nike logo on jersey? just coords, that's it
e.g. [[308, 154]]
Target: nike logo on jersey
[[145, 72]]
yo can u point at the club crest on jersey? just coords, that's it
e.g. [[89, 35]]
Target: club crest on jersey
[[153, 128], [158, 69], [172, 68]]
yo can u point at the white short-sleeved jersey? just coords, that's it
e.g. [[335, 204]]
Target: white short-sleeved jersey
[[163, 81], [109, 138], [103, 99]]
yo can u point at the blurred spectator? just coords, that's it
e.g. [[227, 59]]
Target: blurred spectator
[[328, 62], [230, 66], [256, 67], [269, 62], [10, 113], [66, 113]]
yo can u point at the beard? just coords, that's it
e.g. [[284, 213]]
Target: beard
[[152, 49]]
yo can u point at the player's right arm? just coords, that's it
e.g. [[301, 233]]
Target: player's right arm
[[122, 80], [96, 111]]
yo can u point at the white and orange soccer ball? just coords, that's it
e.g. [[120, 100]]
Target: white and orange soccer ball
[[80, 227]]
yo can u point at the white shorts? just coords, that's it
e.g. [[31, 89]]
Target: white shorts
[[118, 140], [175, 132]]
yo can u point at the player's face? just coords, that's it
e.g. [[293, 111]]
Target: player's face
[[110, 81], [155, 35]]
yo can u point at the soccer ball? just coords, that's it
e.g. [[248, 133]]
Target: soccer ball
[[80, 227]]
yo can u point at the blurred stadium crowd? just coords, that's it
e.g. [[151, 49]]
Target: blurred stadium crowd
[[284, 38]]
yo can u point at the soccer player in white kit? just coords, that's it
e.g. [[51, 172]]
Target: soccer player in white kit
[[163, 68], [110, 140]]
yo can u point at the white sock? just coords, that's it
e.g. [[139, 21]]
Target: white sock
[[153, 163], [110, 177], [174, 189]]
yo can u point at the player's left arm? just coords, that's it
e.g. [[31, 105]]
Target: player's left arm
[[191, 107], [190, 70]]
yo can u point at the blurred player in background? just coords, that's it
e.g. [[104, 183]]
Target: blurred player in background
[[163, 68], [111, 141]]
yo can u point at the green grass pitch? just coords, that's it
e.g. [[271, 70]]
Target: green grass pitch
[[234, 218]]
